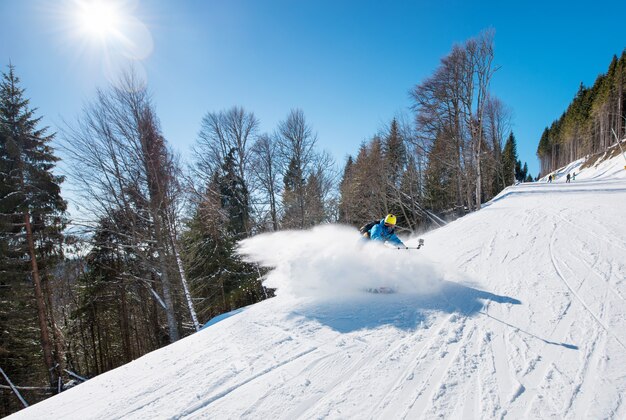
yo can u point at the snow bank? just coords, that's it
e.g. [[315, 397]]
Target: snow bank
[[331, 259], [613, 168]]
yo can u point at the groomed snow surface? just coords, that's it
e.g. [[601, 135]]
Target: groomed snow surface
[[517, 310]]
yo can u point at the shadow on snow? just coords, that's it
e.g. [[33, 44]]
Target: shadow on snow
[[404, 311]]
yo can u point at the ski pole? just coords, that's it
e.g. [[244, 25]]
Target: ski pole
[[419, 245]]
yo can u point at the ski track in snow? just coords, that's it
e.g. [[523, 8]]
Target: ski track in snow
[[578, 297], [529, 321]]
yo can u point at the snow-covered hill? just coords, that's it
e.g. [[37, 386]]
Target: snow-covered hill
[[517, 310]]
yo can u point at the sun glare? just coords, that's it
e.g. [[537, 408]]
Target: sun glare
[[98, 18], [107, 33]]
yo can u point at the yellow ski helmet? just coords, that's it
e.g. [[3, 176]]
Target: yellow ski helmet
[[390, 219]]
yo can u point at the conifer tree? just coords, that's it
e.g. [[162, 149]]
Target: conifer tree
[[411, 196], [374, 180], [518, 170], [395, 162], [592, 122], [509, 160], [234, 197], [293, 196], [543, 150], [31, 223], [439, 177], [220, 281], [395, 154], [356, 199], [346, 188], [314, 201]]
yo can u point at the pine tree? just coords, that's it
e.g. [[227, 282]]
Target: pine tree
[[521, 171], [31, 221], [395, 154], [114, 318], [346, 191], [439, 178], [293, 197], [313, 201], [356, 200], [524, 174], [220, 280], [234, 197], [395, 163], [374, 180], [411, 196], [509, 160], [587, 125], [543, 150]]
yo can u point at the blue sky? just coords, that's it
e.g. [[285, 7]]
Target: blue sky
[[347, 64]]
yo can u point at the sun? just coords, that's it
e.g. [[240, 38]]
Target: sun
[[98, 18], [106, 33]]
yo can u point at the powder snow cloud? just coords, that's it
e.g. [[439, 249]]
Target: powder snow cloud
[[331, 259]]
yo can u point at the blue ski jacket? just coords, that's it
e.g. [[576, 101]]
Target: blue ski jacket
[[382, 233]]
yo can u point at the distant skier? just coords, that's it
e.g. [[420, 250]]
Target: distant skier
[[574, 176], [549, 178], [568, 178], [383, 231]]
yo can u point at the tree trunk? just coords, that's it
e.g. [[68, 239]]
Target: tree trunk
[[172, 324], [273, 209], [478, 177], [124, 327], [46, 344], [57, 340], [183, 279]]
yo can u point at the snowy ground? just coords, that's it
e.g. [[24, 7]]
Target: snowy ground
[[517, 311]]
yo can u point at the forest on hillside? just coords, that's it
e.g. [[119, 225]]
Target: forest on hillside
[[594, 120], [149, 255]]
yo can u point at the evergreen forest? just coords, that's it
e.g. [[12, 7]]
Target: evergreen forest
[[594, 120]]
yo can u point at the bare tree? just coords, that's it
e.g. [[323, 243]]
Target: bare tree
[[265, 169], [438, 104], [121, 163], [450, 107], [497, 121], [326, 175], [480, 55], [220, 132], [176, 203], [296, 149]]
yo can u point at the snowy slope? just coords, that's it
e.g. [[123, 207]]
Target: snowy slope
[[602, 166], [517, 311]]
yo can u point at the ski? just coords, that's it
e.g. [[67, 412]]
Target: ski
[[380, 290]]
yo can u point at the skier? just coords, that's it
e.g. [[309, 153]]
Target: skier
[[383, 231], [549, 178], [568, 178]]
